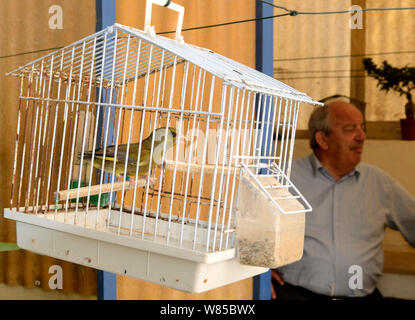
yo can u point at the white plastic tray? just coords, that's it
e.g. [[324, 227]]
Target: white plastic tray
[[151, 260]]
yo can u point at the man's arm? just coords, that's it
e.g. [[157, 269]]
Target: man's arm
[[402, 211]]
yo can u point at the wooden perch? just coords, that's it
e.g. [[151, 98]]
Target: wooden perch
[[117, 186], [197, 168], [93, 190]]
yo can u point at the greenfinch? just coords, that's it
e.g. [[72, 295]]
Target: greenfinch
[[159, 135]]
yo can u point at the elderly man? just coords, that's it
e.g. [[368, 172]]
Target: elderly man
[[352, 204]]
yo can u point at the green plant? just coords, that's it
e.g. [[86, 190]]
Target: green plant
[[401, 80]]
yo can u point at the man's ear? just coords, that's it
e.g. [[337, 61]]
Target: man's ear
[[321, 139]]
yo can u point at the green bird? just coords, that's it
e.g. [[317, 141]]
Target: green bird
[[160, 135]]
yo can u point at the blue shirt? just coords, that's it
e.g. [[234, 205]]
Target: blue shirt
[[345, 230]]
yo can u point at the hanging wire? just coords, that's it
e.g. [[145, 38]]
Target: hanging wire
[[229, 23], [29, 52], [318, 71], [288, 13], [325, 77], [345, 56], [295, 12]]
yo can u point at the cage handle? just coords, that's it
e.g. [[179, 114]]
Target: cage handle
[[171, 5]]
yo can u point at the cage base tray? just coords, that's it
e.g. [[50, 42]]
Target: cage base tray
[[175, 267]]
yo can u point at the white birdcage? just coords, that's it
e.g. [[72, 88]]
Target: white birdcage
[[217, 206]]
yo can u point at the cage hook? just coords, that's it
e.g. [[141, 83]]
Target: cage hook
[[171, 5]]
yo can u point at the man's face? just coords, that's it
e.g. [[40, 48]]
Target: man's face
[[345, 141]]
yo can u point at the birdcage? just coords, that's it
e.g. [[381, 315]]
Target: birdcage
[[156, 159]]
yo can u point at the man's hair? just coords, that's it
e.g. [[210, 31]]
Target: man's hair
[[319, 121]]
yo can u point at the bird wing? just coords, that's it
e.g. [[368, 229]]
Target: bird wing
[[121, 154]]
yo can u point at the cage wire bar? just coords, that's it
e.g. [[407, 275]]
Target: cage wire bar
[[199, 114], [106, 63]]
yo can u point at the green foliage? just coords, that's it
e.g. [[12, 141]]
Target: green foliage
[[401, 80]]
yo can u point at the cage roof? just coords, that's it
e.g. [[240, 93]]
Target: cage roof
[[110, 55]]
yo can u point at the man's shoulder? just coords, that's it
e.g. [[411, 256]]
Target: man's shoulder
[[370, 170], [303, 161], [367, 167], [302, 166]]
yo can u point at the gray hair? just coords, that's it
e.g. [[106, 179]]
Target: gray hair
[[319, 121]]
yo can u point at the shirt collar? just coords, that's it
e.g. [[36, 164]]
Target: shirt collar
[[318, 167]]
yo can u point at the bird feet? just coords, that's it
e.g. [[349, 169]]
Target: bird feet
[[142, 180]]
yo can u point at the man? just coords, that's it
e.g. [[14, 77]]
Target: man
[[352, 204]]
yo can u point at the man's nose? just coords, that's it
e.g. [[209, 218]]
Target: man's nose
[[361, 134]]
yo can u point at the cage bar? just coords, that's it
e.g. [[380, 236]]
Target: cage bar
[[138, 142]]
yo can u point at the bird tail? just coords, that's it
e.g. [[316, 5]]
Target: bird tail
[[86, 155]]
